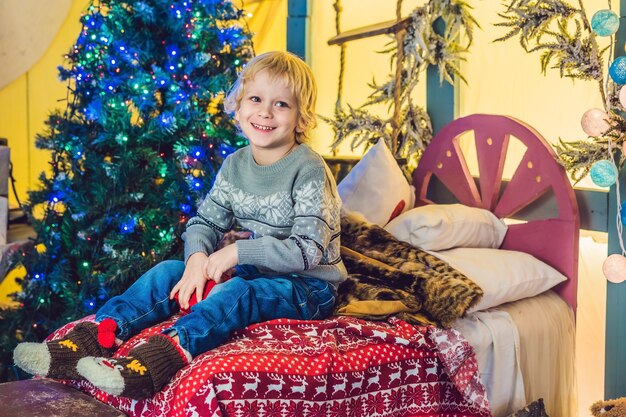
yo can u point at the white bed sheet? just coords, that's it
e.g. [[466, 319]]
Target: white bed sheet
[[495, 340], [525, 351]]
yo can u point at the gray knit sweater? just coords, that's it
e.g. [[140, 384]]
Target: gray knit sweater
[[291, 207]]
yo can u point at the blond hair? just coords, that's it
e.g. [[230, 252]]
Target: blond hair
[[299, 78]]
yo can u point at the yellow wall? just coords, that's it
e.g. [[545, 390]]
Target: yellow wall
[[268, 23], [26, 103], [363, 63]]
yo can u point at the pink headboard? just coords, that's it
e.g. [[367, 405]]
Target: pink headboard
[[553, 240]]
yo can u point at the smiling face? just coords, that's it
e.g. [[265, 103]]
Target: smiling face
[[268, 116]]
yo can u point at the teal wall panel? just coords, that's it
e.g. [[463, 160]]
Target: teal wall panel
[[440, 101], [615, 347], [298, 24]]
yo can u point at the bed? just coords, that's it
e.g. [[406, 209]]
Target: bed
[[539, 191], [355, 367]]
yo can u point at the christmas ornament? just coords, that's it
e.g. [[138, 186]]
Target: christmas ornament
[[614, 268], [603, 173], [594, 122], [617, 70], [605, 22]]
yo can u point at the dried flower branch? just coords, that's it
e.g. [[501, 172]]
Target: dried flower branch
[[423, 46]]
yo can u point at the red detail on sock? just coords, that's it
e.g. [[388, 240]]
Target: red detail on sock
[[108, 364], [106, 333]]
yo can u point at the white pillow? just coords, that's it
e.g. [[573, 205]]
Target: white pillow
[[445, 226], [503, 275], [376, 187]]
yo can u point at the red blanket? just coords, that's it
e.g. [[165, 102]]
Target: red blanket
[[337, 367]]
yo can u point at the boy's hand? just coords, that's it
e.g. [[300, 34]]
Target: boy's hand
[[193, 279], [220, 262]]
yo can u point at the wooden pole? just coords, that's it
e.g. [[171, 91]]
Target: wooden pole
[[397, 105]]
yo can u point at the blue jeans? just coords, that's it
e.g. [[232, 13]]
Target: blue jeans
[[247, 298]]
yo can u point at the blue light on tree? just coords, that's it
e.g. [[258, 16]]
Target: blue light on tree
[[94, 21], [89, 304], [55, 197], [128, 226], [197, 152], [94, 110], [172, 50], [167, 121], [185, 208], [194, 183], [226, 150]]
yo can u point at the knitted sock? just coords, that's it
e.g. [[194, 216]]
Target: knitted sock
[[58, 358], [147, 368]]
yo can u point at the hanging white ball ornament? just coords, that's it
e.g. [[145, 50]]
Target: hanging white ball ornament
[[614, 268], [603, 173], [595, 122]]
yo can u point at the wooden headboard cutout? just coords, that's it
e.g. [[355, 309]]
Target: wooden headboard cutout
[[553, 240]]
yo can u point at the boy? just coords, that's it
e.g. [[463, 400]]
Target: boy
[[279, 189]]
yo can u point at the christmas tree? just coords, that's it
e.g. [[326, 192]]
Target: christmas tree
[[133, 153]]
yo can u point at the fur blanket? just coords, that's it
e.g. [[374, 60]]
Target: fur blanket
[[388, 276]]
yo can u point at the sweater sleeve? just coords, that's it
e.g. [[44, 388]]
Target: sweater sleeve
[[316, 222], [214, 218]]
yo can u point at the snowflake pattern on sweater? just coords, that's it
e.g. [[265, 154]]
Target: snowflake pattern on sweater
[[291, 207]]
